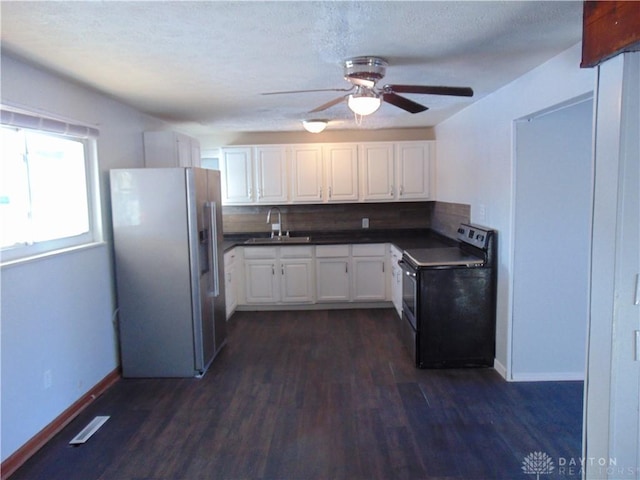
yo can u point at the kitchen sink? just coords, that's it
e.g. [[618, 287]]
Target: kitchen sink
[[276, 240]]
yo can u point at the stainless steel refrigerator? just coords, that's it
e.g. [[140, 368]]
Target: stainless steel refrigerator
[[167, 228]]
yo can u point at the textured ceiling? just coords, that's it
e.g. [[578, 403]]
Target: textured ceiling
[[203, 64]]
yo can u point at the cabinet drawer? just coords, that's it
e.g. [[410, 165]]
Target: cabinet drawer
[[332, 251], [369, 250], [260, 252], [296, 252]]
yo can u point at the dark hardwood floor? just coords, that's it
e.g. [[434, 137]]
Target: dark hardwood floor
[[318, 395]]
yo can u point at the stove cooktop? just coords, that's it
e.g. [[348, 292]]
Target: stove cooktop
[[439, 257]]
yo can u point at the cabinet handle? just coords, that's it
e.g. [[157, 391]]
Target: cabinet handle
[[320, 192], [401, 190], [282, 269], [330, 192], [273, 269], [346, 268], [382, 267], [391, 191]]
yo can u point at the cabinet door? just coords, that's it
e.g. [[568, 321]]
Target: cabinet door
[[196, 156], [413, 160], [260, 281], [332, 279], [170, 149], [271, 174], [237, 175], [306, 172], [377, 177], [369, 278], [396, 280], [231, 294], [184, 151], [296, 280], [341, 173]]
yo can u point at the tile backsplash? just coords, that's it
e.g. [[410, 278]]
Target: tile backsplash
[[443, 217]]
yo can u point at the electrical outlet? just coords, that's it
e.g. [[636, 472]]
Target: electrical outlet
[[365, 222], [47, 379]]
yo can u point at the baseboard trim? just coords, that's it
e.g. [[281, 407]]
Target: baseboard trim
[[500, 368], [20, 456], [548, 377]]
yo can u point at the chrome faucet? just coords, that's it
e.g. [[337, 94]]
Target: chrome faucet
[[275, 226]]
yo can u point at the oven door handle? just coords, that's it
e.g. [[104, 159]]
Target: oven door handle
[[410, 272]]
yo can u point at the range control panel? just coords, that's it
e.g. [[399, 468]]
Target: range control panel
[[475, 235]]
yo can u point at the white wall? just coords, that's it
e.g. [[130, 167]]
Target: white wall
[[476, 155], [552, 237], [56, 312]]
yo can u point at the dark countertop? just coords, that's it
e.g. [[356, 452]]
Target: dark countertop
[[403, 239]]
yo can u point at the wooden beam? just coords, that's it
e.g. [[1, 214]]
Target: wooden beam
[[609, 28]]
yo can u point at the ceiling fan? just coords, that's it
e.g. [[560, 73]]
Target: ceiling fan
[[364, 97]]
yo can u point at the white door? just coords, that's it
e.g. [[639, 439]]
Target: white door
[[612, 421]]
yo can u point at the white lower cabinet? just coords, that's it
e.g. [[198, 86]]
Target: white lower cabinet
[[230, 285], [332, 273], [298, 275], [396, 279], [260, 281], [296, 280], [278, 275], [369, 279]]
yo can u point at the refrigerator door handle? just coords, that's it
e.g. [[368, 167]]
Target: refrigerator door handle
[[213, 250]]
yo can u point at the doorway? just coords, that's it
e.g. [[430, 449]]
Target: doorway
[[553, 207]]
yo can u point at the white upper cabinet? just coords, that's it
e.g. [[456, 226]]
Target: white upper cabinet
[[254, 174], [271, 174], [334, 172], [377, 172], [413, 170], [170, 149], [306, 173], [236, 165], [341, 172]]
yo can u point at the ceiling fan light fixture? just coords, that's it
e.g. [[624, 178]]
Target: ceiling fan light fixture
[[314, 126], [364, 101]]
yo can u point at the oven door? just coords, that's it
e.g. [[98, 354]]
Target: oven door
[[408, 324], [409, 290]]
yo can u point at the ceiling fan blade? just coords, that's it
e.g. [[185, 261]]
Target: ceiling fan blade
[[430, 90], [309, 91], [333, 102], [403, 103]]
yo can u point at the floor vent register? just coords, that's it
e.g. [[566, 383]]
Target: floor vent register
[[91, 428]]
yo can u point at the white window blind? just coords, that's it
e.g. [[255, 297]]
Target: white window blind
[[19, 119]]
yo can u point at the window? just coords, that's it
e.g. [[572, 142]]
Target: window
[[46, 191]]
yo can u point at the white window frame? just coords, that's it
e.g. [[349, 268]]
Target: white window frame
[[24, 120]]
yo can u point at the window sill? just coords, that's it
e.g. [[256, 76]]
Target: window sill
[[52, 253]]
